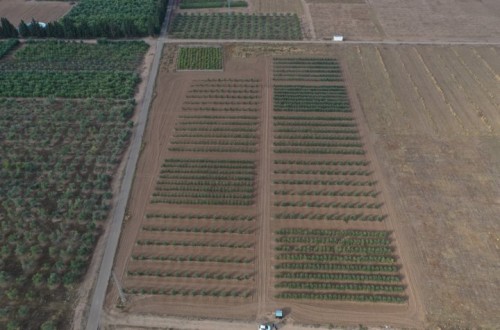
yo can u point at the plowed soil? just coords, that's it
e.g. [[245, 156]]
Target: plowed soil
[[42, 11], [429, 120]]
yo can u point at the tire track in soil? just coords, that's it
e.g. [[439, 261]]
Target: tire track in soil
[[441, 92], [264, 239]]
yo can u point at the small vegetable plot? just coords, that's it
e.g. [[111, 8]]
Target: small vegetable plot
[[199, 58], [236, 26], [206, 182], [307, 69], [305, 98], [194, 255], [197, 4], [354, 265], [203, 131]]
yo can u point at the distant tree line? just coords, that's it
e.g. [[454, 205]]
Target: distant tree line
[[70, 29]]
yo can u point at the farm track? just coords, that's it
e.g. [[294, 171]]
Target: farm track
[[264, 259]]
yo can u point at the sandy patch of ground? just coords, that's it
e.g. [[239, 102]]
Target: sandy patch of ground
[[355, 21], [43, 11]]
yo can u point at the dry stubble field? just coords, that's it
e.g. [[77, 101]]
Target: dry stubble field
[[428, 117], [43, 11], [406, 20]]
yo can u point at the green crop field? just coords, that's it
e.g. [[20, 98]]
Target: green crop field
[[210, 182], [200, 58], [196, 4], [59, 156], [236, 26], [337, 265], [306, 69]]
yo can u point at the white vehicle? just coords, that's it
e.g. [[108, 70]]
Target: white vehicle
[[268, 326]]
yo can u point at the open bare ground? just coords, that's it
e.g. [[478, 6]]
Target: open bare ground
[[43, 11], [435, 126], [407, 19]]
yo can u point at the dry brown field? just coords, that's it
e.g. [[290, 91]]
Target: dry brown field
[[406, 20], [429, 122], [354, 20], [43, 11]]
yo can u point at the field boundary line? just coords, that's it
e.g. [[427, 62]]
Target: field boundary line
[[265, 227]]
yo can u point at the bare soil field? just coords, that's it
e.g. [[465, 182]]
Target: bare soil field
[[428, 119], [439, 20], [434, 122], [43, 11], [353, 20], [407, 19]]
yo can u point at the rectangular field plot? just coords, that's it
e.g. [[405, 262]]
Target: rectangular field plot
[[337, 265], [306, 69], [236, 26], [209, 182], [197, 4], [224, 95], [197, 240], [202, 130], [197, 255], [200, 58], [305, 98]]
